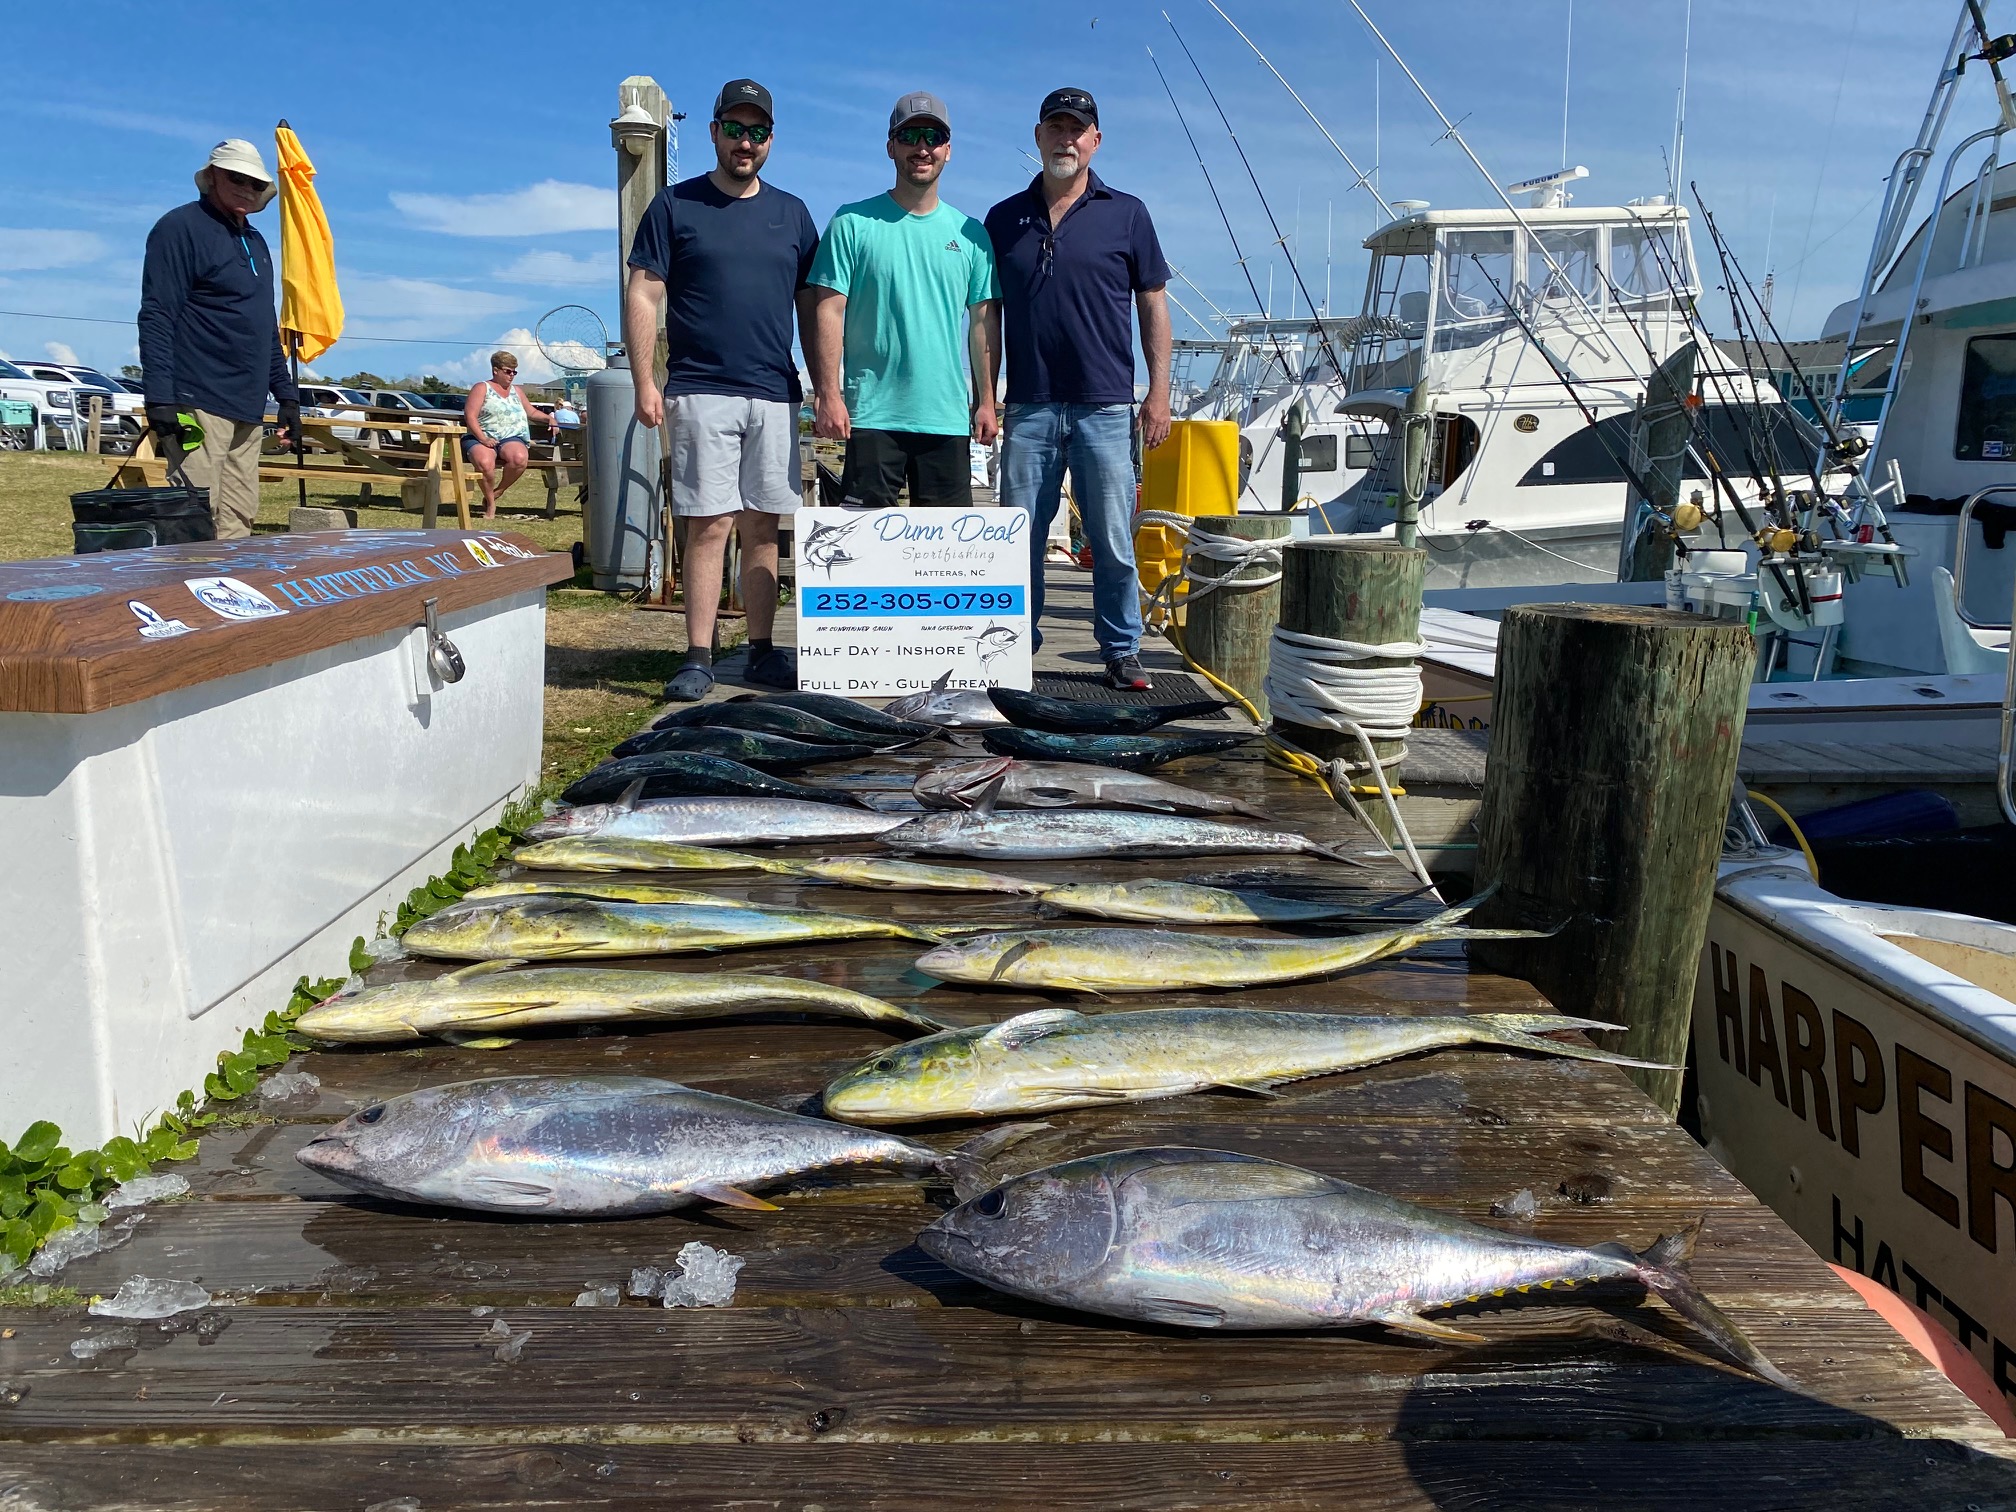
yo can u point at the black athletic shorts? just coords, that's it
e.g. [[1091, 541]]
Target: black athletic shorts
[[879, 462]]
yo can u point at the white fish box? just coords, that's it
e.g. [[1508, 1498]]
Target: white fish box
[[219, 763]]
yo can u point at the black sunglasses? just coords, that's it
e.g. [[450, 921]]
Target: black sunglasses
[[929, 136], [735, 131]]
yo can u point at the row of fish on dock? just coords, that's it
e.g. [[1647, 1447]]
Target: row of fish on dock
[[1194, 1237]]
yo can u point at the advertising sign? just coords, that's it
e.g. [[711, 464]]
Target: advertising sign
[[890, 600]]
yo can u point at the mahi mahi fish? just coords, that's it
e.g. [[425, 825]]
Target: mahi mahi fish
[[614, 892], [717, 821], [1060, 1058], [489, 998], [1212, 1239], [1032, 711], [1154, 902], [530, 929], [1064, 834], [1156, 960], [602, 1147], [1135, 753], [575, 853], [1065, 784]]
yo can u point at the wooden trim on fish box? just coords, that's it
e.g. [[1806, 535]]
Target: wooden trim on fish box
[[83, 633]]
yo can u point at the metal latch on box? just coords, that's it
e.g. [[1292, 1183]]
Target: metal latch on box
[[443, 660]]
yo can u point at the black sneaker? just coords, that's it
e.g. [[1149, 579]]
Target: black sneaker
[[1126, 674]]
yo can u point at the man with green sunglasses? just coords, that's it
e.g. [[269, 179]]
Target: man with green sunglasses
[[904, 282]]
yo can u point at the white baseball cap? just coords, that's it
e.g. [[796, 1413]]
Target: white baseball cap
[[238, 156]]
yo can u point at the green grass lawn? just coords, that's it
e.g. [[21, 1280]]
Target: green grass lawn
[[605, 662]]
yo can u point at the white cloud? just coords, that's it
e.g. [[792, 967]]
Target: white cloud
[[554, 270], [134, 120], [544, 207], [532, 364], [62, 352], [24, 250], [417, 308]]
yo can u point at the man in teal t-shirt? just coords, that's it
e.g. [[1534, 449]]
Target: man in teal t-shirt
[[899, 278]]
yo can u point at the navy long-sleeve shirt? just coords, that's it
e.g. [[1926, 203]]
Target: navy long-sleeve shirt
[[209, 332]]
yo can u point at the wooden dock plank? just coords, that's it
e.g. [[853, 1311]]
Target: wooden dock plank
[[853, 1371]]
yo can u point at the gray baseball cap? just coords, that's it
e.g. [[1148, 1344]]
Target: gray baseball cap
[[919, 104]]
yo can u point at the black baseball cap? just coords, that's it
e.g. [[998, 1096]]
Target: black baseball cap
[[1071, 102], [743, 92]]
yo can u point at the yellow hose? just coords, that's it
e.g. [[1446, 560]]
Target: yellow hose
[[1812, 864]]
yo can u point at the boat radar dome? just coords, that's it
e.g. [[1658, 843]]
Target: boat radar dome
[[1404, 208], [1649, 202], [1549, 191]]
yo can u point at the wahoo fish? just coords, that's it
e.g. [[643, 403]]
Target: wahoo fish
[[489, 997], [683, 774], [717, 821], [1064, 784], [756, 748], [1153, 902], [1157, 960], [591, 854], [1211, 1239], [1032, 711], [1065, 834], [760, 716], [532, 929], [603, 1147], [1136, 753], [1060, 1058], [846, 712], [946, 707]]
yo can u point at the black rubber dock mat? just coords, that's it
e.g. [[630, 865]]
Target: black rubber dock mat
[[1090, 687]]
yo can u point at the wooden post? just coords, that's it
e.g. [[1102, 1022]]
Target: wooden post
[[1367, 591], [1613, 754], [94, 433], [1229, 630]]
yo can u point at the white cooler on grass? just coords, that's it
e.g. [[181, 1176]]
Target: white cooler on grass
[[221, 762]]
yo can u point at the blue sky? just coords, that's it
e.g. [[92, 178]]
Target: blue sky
[[465, 162]]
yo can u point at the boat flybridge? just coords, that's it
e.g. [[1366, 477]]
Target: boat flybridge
[[1528, 337]]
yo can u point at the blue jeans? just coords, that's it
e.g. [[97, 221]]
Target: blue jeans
[[1096, 442]]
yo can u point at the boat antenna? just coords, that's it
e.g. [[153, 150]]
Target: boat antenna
[[1360, 179], [1679, 105], [1567, 71], [1322, 331], [1238, 253], [1451, 130]]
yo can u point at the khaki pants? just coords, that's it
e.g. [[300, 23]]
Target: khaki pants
[[227, 464]]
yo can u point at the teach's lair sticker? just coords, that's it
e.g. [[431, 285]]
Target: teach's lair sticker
[[232, 599]]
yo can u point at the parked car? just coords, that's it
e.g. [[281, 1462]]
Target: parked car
[[416, 404], [56, 406], [124, 414], [328, 402]]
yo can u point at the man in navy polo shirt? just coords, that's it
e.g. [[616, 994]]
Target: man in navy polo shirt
[[1076, 259]]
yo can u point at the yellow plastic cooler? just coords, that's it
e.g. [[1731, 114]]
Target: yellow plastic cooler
[[1195, 472]]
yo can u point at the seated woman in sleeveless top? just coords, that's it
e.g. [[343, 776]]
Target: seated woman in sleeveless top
[[499, 417]]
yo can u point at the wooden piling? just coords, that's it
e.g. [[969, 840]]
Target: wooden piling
[[1368, 591], [1229, 630], [1613, 755]]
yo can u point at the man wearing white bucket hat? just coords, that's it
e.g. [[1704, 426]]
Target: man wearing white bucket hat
[[210, 335]]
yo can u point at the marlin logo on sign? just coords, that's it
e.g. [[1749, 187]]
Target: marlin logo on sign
[[826, 546]]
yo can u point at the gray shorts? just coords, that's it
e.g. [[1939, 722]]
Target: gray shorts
[[731, 454]]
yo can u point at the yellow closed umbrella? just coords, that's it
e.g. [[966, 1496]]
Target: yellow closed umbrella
[[311, 307]]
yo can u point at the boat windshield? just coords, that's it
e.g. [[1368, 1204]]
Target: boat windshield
[[1479, 276], [1388, 353], [1647, 263]]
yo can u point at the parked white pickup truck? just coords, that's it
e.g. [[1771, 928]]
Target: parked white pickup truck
[[57, 422]]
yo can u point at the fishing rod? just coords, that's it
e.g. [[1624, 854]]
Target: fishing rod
[[1360, 178], [1238, 252], [1322, 332]]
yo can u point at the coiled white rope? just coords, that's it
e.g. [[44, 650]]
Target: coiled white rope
[[1235, 551], [1319, 682]]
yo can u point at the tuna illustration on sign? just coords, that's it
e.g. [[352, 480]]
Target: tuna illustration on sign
[[826, 546], [993, 642]]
